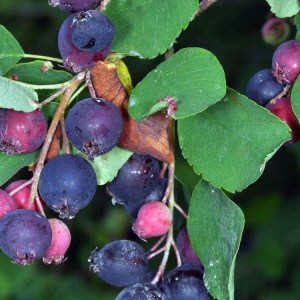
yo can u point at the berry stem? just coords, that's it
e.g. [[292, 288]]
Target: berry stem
[[169, 240], [163, 170], [64, 134], [77, 93], [41, 57], [158, 243], [280, 95], [205, 4], [181, 210], [28, 182], [45, 86], [178, 259], [156, 253], [170, 183], [54, 96], [73, 85], [40, 206]]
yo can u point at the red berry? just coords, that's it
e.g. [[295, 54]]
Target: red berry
[[275, 31], [21, 132], [282, 109], [154, 219], [7, 203], [61, 239], [286, 62], [22, 196], [187, 254]]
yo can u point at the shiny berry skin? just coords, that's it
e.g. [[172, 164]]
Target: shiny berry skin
[[25, 235], [154, 219], [132, 208], [185, 283], [263, 86], [61, 239], [282, 109], [120, 263], [72, 6], [22, 196], [75, 59], [21, 132], [7, 203], [92, 31], [67, 184], [286, 62], [141, 291], [94, 126], [135, 180], [187, 254]]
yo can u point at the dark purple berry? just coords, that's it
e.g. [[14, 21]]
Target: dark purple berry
[[92, 31], [263, 86], [135, 180], [185, 283], [72, 6], [25, 235], [21, 132], [94, 126], [187, 254], [286, 62], [67, 184], [141, 291], [132, 207], [75, 59], [282, 109], [120, 263]]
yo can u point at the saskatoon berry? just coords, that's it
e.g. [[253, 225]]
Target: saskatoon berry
[[25, 235], [94, 126], [184, 283], [141, 291], [61, 239], [7, 203], [187, 254], [135, 180], [120, 263], [21, 197], [275, 31], [282, 109], [75, 59], [132, 208], [154, 219], [92, 31], [72, 6], [67, 184], [21, 132], [263, 86], [286, 62]]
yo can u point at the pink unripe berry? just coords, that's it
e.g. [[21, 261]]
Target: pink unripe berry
[[154, 219], [275, 31], [7, 203], [22, 196], [61, 239], [187, 254]]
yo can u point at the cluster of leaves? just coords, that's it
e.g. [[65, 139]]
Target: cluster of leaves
[[224, 136]]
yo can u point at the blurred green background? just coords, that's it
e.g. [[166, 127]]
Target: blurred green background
[[268, 264]]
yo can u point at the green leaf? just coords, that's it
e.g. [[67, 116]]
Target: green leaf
[[297, 23], [193, 77], [147, 28], [32, 73], [108, 165], [10, 50], [16, 96], [295, 98], [11, 164], [284, 9], [230, 142], [215, 227]]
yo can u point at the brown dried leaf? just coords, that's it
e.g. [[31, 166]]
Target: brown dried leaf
[[107, 84], [152, 135], [54, 148]]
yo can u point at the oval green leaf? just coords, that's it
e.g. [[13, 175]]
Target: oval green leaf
[[215, 227], [284, 9], [230, 142], [16, 96], [147, 28], [193, 77], [10, 50], [11, 164], [33, 73], [295, 98]]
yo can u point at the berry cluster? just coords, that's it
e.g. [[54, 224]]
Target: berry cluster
[[271, 87]]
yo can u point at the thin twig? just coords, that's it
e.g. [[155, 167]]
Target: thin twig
[[205, 4], [181, 210], [54, 96], [156, 253], [281, 94], [158, 243], [178, 259], [89, 83], [170, 183], [28, 182], [163, 170], [64, 134], [40, 206]]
